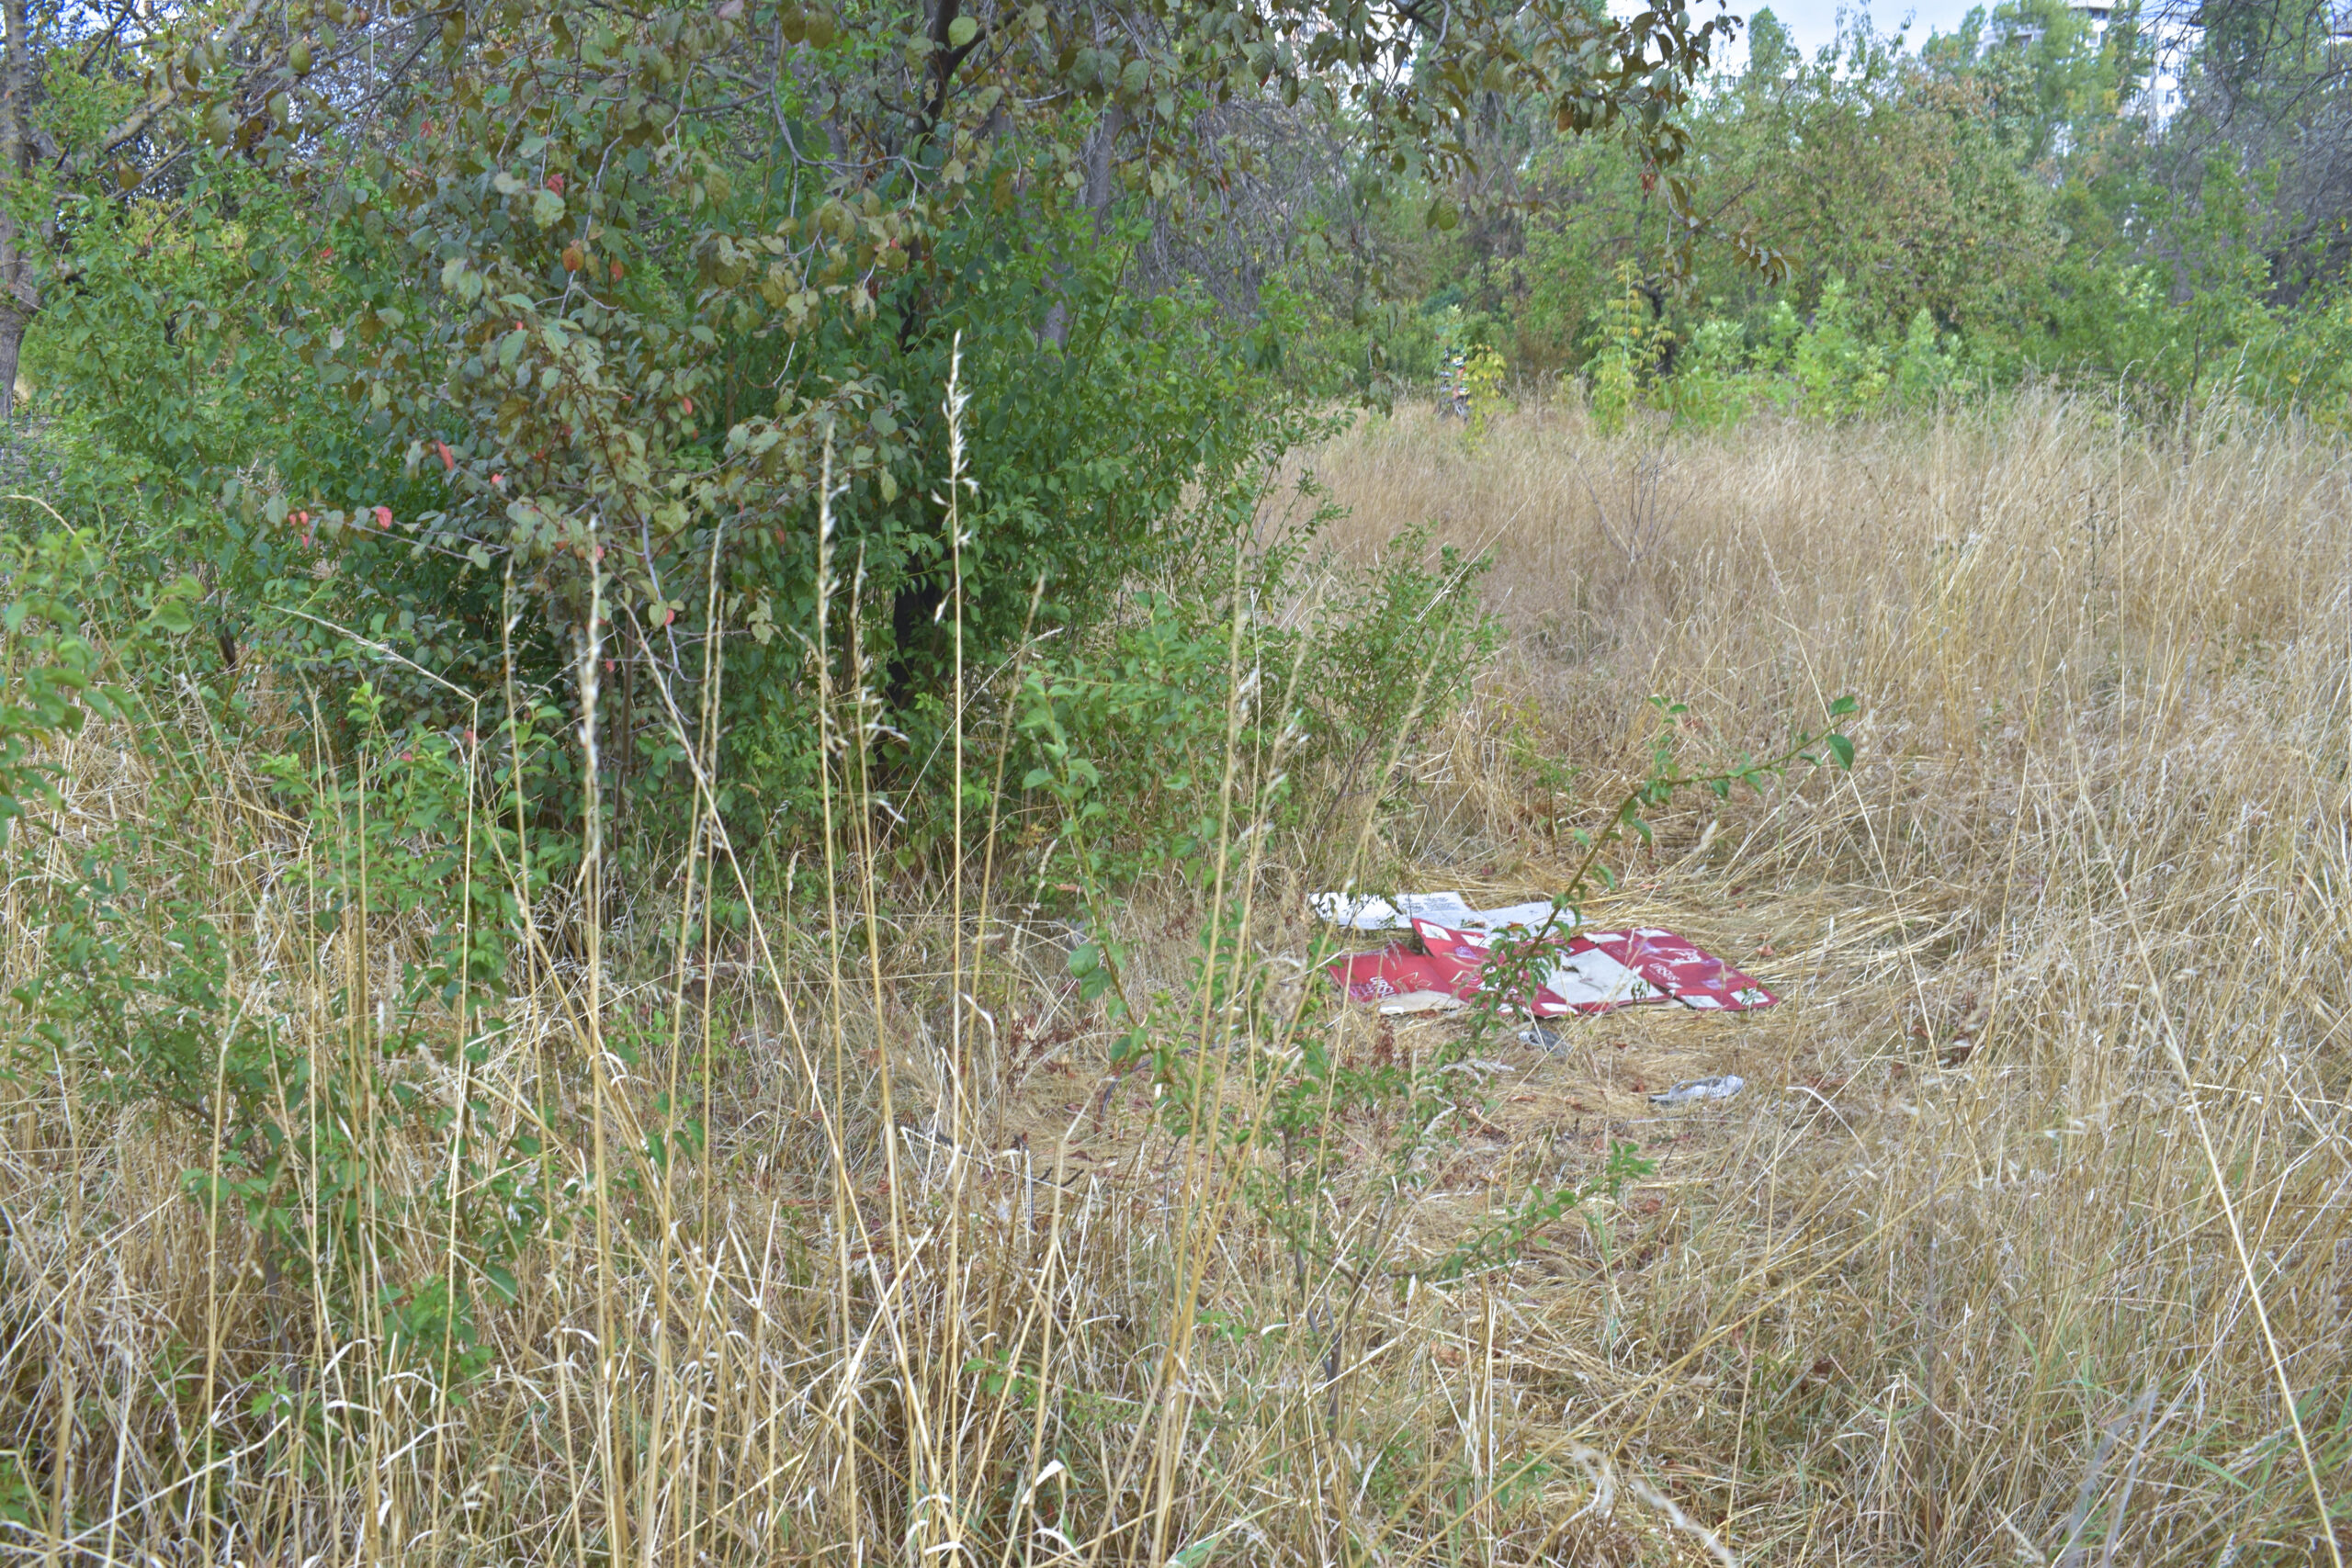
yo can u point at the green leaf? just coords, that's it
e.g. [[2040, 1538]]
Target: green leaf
[[546, 209], [962, 31], [1843, 749]]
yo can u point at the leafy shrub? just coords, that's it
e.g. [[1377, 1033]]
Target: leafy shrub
[[542, 310], [1482, 386], [1126, 734], [1710, 388], [1627, 347], [1925, 363], [1832, 364], [414, 849]]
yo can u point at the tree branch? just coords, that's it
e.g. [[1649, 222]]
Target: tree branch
[[135, 125]]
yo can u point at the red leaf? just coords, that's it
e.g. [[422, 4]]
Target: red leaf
[[447, 461]]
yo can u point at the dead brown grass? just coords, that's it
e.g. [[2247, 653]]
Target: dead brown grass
[[2084, 889], [2035, 1207]]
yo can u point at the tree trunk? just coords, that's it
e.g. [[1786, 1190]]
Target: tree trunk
[[1095, 158], [12, 340], [19, 293]]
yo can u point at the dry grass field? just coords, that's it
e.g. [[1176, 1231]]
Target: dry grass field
[[2028, 1242]]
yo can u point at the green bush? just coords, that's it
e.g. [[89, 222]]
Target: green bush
[[310, 1120], [1126, 734]]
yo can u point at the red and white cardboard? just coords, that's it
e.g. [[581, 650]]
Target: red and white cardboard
[[1591, 973]]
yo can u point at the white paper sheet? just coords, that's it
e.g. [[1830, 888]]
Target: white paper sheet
[[1365, 912], [1582, 978]]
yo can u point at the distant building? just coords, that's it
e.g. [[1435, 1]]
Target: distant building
[[2098, 13]]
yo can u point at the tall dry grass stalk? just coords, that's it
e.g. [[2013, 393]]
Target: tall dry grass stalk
[[2031, 1219]]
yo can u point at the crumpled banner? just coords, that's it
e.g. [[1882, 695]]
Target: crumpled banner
[[1593, 973]]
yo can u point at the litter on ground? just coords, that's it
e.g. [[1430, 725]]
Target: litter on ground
[[1722, 1088], [1587, 973], [1363, 912], [1550, 1041], [1419, 1001]]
